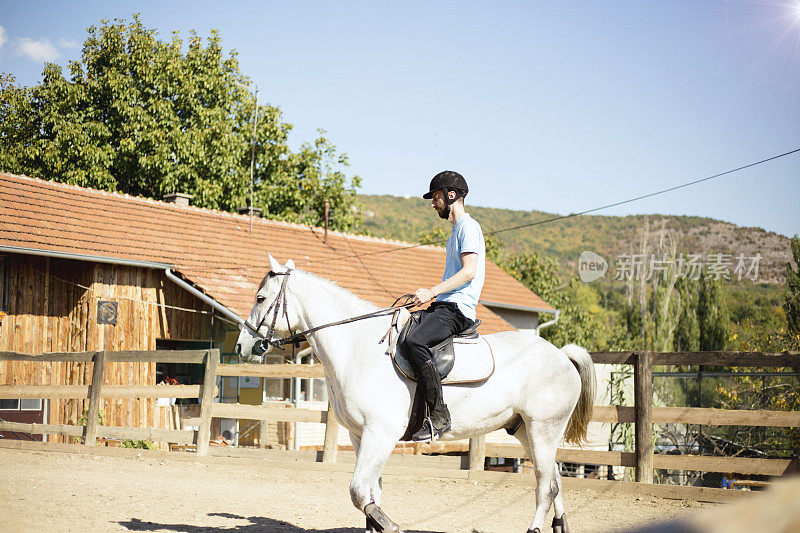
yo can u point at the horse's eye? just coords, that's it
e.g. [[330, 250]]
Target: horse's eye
[[260, 299]]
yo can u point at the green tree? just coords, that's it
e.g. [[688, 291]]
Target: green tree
[[686, 337], [140, 116], [792, 303], [538, 273], [712, 315], [582, 320], [774, 392], [17, 126], [653, 300], [437, 236]]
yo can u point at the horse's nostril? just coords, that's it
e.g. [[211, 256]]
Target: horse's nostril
[[238, 349]]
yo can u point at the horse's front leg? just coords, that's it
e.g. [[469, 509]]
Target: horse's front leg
[[377, 488], [372, 451]]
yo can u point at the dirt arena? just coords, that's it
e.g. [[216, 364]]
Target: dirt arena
[[54, 491]]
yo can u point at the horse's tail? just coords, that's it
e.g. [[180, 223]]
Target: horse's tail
[[582, 414]]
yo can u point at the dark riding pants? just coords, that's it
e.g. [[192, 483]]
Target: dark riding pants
[[439, 321]]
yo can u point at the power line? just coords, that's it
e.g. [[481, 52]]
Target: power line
[[562, 217], [529, 224]]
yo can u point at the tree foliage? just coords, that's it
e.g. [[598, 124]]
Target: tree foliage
[[792, 303], [712, 316], [141, 116], [686, 337], [669, 311]]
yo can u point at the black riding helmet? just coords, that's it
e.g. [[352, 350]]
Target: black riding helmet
[[448, 181]]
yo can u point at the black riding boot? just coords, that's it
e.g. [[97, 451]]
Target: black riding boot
[[438, 421]]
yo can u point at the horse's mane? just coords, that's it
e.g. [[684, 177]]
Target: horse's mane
[[346, 294]]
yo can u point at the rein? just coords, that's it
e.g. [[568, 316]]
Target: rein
[[294, 338]]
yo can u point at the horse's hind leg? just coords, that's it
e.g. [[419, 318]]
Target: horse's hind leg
[[543, 442], [559, 518]]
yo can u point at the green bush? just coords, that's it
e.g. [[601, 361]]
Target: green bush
[[141, 444]]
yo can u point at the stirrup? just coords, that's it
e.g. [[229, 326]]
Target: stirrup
[[432, 431], [435, 434]]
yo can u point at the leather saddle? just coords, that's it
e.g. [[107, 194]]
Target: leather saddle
[[444, 355], [476, 364]]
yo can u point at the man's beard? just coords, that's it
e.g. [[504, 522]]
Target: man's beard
[[444, 213]]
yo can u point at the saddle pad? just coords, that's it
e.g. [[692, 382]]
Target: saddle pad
[[474, 362]]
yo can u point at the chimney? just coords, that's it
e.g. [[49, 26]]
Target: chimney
[[178, 198], [254, 211]]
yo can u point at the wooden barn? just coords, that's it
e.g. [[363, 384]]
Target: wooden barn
[[84, 270]]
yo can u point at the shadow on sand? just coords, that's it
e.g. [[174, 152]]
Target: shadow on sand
[[257, 524]]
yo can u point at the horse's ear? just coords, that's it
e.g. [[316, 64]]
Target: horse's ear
[[274, 266], [290, 264]]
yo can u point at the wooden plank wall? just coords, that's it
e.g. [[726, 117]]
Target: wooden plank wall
[[48, 311]]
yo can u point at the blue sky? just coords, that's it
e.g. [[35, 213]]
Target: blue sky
[[555, 106]]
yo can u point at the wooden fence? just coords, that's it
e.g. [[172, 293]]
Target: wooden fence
[[643, 414], [98, 389]]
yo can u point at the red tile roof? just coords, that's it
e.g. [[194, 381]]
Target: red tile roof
[[216, 251]]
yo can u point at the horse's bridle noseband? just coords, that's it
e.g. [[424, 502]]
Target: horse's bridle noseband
[[276, 305]]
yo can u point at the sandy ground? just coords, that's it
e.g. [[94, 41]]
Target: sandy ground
[[55, 491]]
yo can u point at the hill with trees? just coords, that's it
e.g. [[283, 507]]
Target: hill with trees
[[407, 219], [661, 312]]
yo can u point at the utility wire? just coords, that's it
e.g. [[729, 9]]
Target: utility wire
[[521, 226], [562, 217], [108, 294]]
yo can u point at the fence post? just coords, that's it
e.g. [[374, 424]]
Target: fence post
[[477, 452], [643, 404], [263, 433], [331, 447], [93, 410], [203, 434]]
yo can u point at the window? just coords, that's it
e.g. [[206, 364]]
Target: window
[[183, 373], [9, 405], [25, 404], [30, 404], [313, 389]]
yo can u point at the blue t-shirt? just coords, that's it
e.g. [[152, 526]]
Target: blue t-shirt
[[467, 237]]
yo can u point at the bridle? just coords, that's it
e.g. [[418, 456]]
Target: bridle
[[275, 307], [279, 303]]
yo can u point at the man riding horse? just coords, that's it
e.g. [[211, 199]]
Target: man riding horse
[[456, 297]]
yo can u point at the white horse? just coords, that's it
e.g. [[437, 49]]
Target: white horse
[[551, 389]]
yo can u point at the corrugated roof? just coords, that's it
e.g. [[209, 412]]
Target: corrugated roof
[[216, 251]]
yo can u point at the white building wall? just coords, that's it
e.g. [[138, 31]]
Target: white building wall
[[313, 434], [521, 320]]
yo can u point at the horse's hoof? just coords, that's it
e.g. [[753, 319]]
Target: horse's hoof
[[378, 521], [534, 530], [370, 529], [560, 524]]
